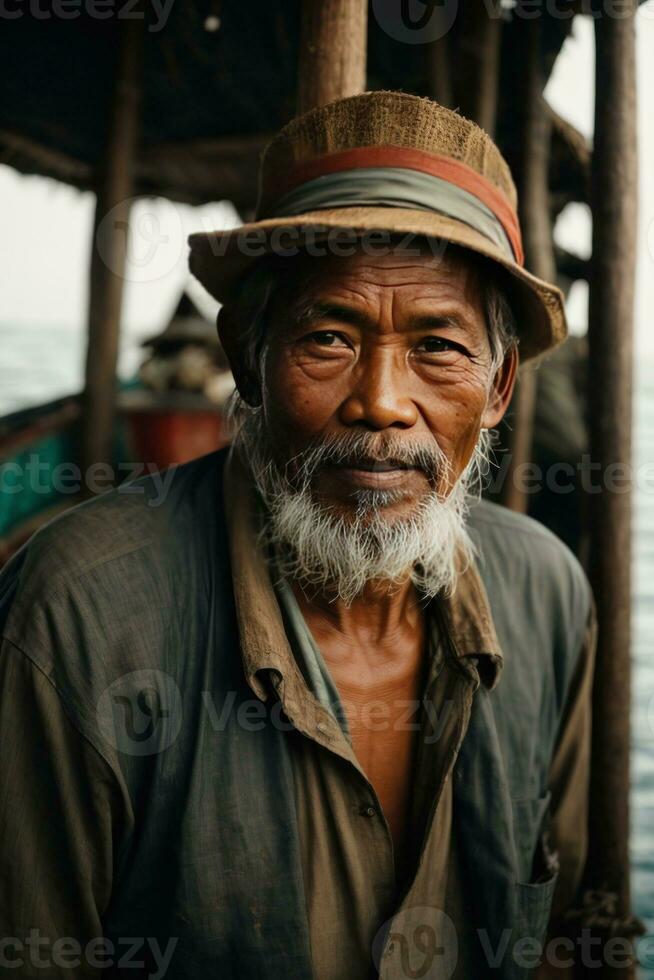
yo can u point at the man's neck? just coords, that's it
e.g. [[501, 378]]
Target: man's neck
[[380, 612]]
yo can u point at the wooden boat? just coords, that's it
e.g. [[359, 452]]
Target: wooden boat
[[164, 417], [43, 437], [38, 446]]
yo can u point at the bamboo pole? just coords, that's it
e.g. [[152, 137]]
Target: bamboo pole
[[478, 64], [539, 249], [614, 205], [111, 219], [439, 71], [333, 48]]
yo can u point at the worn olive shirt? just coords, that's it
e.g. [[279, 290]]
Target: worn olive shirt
[[352, 885], [64, 810]]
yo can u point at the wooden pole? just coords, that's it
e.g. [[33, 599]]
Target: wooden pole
[[439, 71], [539, 250], [108, 255], [478, 64], [613, 263], [333, 48]]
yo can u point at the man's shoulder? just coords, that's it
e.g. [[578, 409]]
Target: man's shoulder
[[520, 542], [120, 585], [109, 570], [488, 516], [149, 514], [536, 585]]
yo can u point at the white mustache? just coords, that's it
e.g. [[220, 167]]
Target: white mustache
[[365, 451]]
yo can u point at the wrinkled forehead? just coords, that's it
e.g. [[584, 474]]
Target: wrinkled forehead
[[415, 269]]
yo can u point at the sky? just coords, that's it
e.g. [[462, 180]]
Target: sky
[[46, 227]]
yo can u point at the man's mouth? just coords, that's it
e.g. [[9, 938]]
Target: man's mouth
[[374, 465], [364, 473]]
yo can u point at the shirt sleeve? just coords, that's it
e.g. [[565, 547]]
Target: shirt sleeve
[[569, 785], [61, 810]]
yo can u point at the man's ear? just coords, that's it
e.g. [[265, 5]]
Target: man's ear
[[246, 382], [500, 394]]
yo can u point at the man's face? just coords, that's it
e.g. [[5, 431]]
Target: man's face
[[393, 347]]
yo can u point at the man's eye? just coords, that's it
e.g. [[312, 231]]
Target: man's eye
[[326, 338], [437, 345]]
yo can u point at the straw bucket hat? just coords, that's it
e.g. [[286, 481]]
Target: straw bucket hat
[[386, 163]]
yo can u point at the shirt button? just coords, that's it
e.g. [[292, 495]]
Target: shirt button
[[369, 811]]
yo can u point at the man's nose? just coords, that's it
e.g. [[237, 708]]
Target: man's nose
[[379, 398]]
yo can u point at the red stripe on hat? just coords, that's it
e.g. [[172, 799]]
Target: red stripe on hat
[[454, 171]]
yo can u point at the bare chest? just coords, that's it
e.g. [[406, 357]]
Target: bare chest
[[380, 693]]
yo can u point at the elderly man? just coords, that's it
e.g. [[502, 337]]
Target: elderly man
[[319, 712]]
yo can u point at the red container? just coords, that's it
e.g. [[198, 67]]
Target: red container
[[166, 434]]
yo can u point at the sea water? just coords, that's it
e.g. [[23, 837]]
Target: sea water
[[642, 798]]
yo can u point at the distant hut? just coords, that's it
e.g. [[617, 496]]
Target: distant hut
[[187, 356], [176, 413]]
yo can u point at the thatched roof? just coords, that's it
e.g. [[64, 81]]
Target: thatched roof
[[210, 99]]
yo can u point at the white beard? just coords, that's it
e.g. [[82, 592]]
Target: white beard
[[339, 554]]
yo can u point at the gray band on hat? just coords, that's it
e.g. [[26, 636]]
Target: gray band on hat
[[394, 187]]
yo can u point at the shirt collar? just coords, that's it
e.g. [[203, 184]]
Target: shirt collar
[[266, 652], [470, 625]]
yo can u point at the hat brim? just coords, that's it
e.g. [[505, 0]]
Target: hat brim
[[220, 259]]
